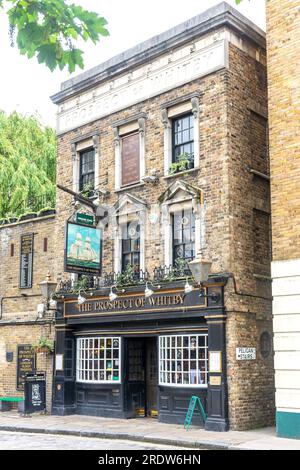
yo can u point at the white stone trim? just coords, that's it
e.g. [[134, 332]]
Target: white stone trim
[[138, 125], [168, 209], [286, 327], [164, 73], [76, 148], [172, 112]]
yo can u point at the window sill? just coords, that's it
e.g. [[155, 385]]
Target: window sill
[[132, 186], [180, 173], [184, 385]]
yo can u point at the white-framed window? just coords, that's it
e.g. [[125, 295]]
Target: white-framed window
[[181, 135], [85, 157], [98, 359], [183, 360]]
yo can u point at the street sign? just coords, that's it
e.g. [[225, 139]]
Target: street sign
[[35, 392], [85, 219], [245, 354], [194, 401]]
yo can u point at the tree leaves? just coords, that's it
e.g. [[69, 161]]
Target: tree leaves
[[27, 165], [49, 29]]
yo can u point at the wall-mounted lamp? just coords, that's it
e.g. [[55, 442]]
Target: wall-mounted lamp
[[148, 291], [200, 269], [113, 294], [47, 289]]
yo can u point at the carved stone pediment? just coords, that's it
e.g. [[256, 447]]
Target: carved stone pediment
[[129, 204], [179, 191]]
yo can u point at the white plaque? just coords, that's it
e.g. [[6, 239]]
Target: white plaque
[[215, 361], [245, 354], [59, 362]]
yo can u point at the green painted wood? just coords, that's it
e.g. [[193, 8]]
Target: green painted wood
[[288, 424], [194, 402], [13, 399]]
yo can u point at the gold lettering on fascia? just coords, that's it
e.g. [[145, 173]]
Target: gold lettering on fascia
[[127, 304]]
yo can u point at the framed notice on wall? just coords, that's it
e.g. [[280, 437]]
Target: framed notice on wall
[[215, 361], [26, 261], [130, 151], [26, 363], [82, 249]]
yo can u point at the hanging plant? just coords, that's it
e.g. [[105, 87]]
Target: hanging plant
[[43, 345]]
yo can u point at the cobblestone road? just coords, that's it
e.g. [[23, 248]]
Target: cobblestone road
[[28, 441]]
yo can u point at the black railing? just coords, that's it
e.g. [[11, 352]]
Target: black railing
[[126, 278], [170, 273], [161, 274]]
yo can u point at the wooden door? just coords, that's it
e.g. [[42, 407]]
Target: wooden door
[[152, 377], [134, 387]]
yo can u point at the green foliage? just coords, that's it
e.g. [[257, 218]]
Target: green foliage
[[184, 161], [49, 29], [43, 345], [126, 277], [81, 284], [27, 165]]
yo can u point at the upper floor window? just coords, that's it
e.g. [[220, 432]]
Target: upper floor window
[[130, 159], [183, 236], [131, 247], [183, 141], [87, 170]]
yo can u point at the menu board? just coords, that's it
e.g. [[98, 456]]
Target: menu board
[[35, 393], [25, 363], [130, 159], [26, 261]]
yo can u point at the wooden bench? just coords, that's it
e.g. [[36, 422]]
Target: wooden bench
[[6, 401]]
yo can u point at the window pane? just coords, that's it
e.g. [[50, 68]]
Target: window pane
[[183, 365], [95, 370]]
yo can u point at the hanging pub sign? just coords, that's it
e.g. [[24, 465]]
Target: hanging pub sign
[[26, 261], [26, 360], [35, 392], [82, 249]]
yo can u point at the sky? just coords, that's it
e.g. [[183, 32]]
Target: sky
[[26, 86]]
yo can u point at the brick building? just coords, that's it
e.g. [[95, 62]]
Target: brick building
[[20, 325], [165, 145], [283, 34], [171, 135]]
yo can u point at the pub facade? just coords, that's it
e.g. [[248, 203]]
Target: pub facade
[[163, 149]]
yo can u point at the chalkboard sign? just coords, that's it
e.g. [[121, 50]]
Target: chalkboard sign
[[26, 360], [194, 401], [35, 392], [26, 261]]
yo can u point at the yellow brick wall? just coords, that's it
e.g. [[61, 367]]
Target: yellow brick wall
[[283, 44], [19, 323]]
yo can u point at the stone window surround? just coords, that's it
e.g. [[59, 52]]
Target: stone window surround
[[168, 209], [173, 109], [78, 144], [120, 128], [132, 215]]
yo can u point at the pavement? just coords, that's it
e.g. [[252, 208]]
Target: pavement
[[145, 430]]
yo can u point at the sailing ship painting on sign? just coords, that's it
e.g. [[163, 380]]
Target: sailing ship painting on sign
[[83, 249]]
